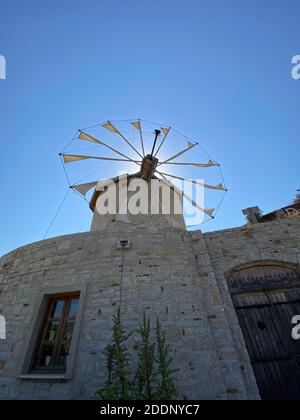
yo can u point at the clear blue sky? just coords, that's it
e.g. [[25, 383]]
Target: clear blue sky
[[217, 70]]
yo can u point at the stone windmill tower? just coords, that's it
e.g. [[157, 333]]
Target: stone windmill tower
[[59, 322]]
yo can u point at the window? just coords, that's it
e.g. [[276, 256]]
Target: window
[[54, 341]]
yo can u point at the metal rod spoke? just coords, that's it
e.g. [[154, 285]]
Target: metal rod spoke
[[109, 126], [101, 143], [199, 165], [138, 126], [162, 142], [75, 158], [208, 212], [190, 147], [212, 187]]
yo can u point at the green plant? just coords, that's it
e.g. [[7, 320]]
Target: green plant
[[146, 372], [166, 387], [117, 386], [154, 376]]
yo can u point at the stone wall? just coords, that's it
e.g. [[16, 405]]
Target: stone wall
[[178, 276], [227, 249], [168, 273]]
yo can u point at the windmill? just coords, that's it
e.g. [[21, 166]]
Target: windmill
[[144, 145]]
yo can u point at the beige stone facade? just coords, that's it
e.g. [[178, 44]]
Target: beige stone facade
[[174, 274]]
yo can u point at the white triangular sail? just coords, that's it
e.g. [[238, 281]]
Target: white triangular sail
[[136, 124], [209, 164], [109, 126], [165, 130], [83, 189], [205, 210], [87, 137], [75, 158], [216, 187], [190, 146], [209, 212], [201, 184], [206, 165]]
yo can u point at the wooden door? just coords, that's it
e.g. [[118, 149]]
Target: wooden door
[[265, 318]]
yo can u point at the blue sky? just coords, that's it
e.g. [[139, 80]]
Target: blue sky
[[217, 70]]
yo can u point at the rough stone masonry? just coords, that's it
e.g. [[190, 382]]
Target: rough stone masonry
[[169, 272]]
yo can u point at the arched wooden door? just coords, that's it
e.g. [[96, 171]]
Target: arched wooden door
[[266, 296]]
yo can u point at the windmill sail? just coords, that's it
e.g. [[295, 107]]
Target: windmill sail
[[165, 132], [209, 212], [201, 184], [109, 126], [147, 164], [190, 146], [87, 137], [138, 126], [83, 189], [75, 158], [209, 164]]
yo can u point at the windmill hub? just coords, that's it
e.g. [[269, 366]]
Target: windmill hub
[[148, 167]]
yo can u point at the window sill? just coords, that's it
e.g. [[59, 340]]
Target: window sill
[[45, 377]]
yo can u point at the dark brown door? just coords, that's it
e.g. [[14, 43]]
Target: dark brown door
[[265, 319]]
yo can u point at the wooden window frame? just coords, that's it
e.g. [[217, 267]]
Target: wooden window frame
[[40, 305], [57, 344]]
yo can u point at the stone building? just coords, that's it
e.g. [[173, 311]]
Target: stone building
[[226, 300]]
